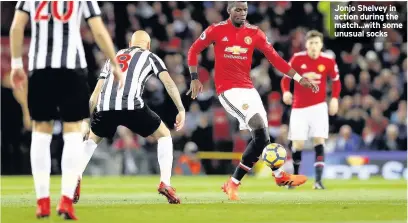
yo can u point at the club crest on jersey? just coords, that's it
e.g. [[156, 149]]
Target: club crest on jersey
[[245, 106], [202, 36], [236, 50], [248, 40], [321, 68]]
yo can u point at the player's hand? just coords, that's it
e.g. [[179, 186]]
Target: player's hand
[[117, 73], [85, 128], [287, 98], [333, 106], [18, 79], [306, 83], [195, 88], [180, 118]]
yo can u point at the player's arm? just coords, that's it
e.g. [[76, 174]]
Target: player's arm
[[94, 97], [106, 69], [336, 84], [92, 14], [205, 39], [336, 88], [172, 90], [160, 70], [285, 86], [20, 20], [279, 63]]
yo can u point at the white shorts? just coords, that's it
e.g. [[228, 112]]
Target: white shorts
[[243, 103], [309, 122]]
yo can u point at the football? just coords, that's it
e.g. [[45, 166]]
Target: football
[[274, 155]]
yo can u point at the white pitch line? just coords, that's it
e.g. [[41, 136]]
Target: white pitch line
[[187, 183]]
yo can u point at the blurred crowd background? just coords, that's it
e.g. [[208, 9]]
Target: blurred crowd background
[[373, 104]]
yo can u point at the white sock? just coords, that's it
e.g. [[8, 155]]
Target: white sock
[[88, 148], [235, 180], [40, 156], [277, 173], [165, 157], [69, 163]]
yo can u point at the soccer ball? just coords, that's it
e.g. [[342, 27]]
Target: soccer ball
[[274, 155]]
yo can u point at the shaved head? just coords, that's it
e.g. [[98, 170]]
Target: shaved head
[[141, 39]]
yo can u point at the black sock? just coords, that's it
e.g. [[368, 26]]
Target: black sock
[[260, 138], [319, 162], [242, 168], [297, 159]]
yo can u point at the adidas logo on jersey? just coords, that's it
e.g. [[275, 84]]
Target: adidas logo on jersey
[[225, 39]]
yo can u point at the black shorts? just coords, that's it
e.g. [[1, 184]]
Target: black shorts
[[58, 94], [142, 121]]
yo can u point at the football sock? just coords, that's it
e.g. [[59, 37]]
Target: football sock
[[69, 163], [297, 159], [40, 156], [88, 148], [277, 172], [260, 138], [165, 157], [319, 162]]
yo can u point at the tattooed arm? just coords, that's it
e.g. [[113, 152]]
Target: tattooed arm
[[172, 90], [95, 94], [174, 93]]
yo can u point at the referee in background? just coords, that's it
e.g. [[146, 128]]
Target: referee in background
[[57, 86]]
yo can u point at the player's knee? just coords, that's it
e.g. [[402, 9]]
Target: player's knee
[[162, 131], [256, 122], [298, 145], [318, 141], [44, 127], [261, 137], [72, 126]]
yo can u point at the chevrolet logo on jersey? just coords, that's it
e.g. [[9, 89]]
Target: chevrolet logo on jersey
[[313, 77], [236, 50]]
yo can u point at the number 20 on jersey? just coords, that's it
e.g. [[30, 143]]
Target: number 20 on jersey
[[42, 14]]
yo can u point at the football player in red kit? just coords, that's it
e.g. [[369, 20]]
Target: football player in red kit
[[234, 43], [309, 116]]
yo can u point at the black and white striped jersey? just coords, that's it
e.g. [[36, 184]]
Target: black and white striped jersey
[[138, 65], [55, 32]]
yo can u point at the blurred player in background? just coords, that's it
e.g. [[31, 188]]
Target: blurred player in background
[[57, 86], [113, 106], [234, 43], [309, 117]]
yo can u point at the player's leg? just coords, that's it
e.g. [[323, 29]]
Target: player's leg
[[73, 108], [246, 105], [89, 146], [297, 147], [318, 143], [103, 125], [43, 110], [164, 152], [319, 131], [260, 139], [298, 134], [146, 123]]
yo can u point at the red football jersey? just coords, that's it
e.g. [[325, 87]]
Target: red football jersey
[[233, 48], [316, 71]]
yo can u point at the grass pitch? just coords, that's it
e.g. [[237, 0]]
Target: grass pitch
[[135, 199]]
